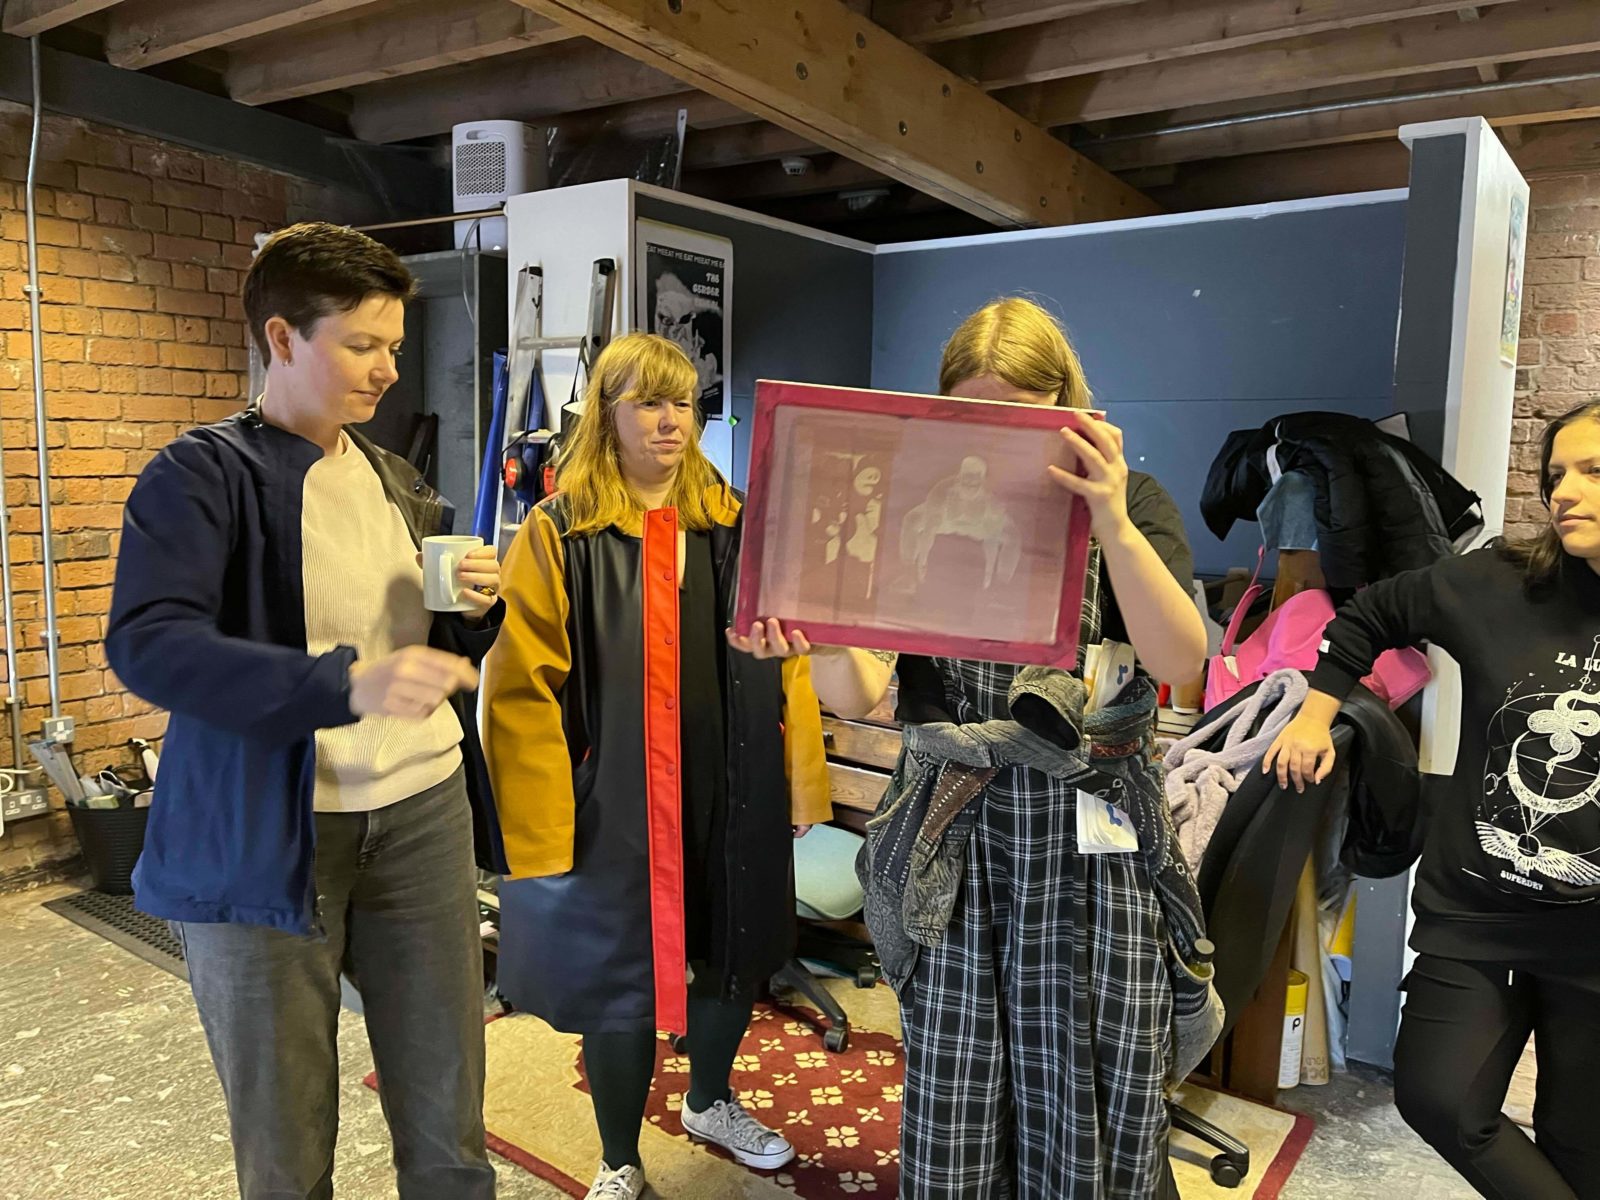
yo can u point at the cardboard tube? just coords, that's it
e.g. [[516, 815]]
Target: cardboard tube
[[1306, 958]]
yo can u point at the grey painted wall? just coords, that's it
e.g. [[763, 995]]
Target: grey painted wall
[[1433, 233], [1187, 331], [802, 309]]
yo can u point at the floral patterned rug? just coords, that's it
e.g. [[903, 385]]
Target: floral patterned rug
[[840, 1111]]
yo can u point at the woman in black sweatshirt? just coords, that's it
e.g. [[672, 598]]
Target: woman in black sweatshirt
[[1507, 896]]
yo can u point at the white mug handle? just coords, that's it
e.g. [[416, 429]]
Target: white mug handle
[[447, 578]]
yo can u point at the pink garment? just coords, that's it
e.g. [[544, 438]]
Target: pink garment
[[1290, 639]]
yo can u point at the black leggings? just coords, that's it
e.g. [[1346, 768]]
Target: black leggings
[[1464, 1029], [620, 1067]]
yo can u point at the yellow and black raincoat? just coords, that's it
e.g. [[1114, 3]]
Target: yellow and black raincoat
[[584, 721]]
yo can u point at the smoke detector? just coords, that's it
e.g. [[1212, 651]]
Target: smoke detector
[[795, 165]]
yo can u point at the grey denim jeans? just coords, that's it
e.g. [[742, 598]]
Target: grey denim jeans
[[398, 899]]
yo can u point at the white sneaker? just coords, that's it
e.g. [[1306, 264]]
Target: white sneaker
[[625, 1183], [751, 1143]]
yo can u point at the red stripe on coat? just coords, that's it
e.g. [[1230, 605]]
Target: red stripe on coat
[[663, 759]]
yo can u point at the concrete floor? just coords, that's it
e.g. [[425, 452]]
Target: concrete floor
[[106, 1086], [1362, 1150], [107, 1092]]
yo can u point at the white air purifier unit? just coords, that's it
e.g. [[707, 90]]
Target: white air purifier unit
[[490, 160]]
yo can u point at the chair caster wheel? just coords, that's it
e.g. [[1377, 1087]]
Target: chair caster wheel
[[1224, 1173], [837, 1040], [680, 1043], [867, 977]]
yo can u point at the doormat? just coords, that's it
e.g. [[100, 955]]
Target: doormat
[[115, 919], [840, 1111]]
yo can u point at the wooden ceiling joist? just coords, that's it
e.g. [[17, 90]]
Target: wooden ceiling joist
[[1158, 31], [1572, 146], [1290, 175], [530, 85], [1559, 149], [922, 21], [25, 18], [1505, 33], [142, 33], [819, 70], [1512, 102], [404, 40]]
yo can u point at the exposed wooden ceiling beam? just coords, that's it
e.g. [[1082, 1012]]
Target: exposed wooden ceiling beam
[[736, 145], [142, 33], [25, 18], [1158, 31], [410, 38], [1368, 89], [1487, 72], [531, 85], [1506, 33], [922, 21], [1291, 175], [1559, 149], [1535, 102], [1572, 146], [817, 69]]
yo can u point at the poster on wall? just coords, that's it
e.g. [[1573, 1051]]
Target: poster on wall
[[684, 288], [1511, 314]]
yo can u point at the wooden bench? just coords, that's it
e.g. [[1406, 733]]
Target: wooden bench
[[861, 757]]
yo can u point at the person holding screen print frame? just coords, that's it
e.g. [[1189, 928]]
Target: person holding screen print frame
[[1507, 895], [641, 845], [312, 812], [1038, 1032]]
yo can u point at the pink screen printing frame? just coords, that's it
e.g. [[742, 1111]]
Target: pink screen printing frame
[[833, 423]]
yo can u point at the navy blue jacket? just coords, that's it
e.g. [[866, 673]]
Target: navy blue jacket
[[208, 622]]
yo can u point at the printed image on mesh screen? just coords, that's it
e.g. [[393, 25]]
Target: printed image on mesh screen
[[934, 527]]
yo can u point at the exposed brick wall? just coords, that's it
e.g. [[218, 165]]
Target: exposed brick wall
[[142, 246], [1559, 358]]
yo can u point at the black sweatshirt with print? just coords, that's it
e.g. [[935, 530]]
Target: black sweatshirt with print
[[1510, 872]]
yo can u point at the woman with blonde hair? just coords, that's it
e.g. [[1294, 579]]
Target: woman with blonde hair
[[1038, 1031], [641, 844]]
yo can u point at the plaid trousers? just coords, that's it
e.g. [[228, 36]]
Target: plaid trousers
[[1037, 1033]]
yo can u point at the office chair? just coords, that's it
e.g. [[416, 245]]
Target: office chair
[[826, 892], [1247, 882]]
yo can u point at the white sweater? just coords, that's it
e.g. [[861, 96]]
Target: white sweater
[[363, 588]]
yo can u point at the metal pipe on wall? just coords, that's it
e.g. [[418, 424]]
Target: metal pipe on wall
[[13, 689], [52, 634]]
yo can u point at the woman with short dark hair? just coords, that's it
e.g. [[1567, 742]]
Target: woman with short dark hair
[[312, 812]]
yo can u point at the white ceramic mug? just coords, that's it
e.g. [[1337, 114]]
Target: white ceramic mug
[[441, 556]]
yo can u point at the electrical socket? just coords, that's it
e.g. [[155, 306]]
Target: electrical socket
[[30, 802], [58, 729]]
